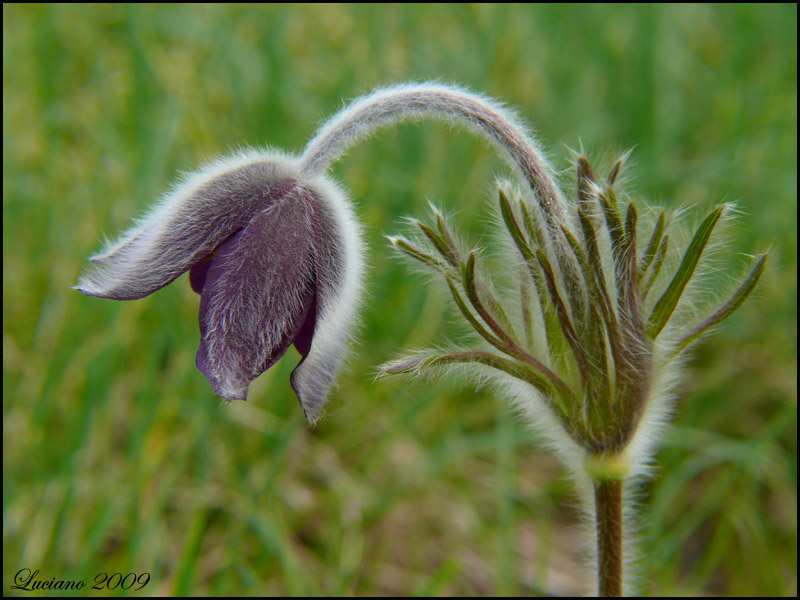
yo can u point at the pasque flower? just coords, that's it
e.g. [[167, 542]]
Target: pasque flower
[[275, 257], [588, 346]]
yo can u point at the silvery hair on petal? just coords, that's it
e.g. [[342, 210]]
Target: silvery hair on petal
[[185, 225], [208, 211]]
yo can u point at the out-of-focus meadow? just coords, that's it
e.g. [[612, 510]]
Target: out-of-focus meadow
[[117, 457]]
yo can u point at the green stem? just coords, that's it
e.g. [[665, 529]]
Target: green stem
[[608, 510]]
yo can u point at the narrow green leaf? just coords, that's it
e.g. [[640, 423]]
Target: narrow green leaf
[[607, 310], [406, 366], [525, 305], [579, 282], [730, 307], [503, 342], [480, 329], [512, 367], [669, 300], [628, 260], [548, 313], [513, 228], [593, 255], [470, 287], [547, 382], [652, 246], [592, 329], [658, 262], [440, 243], [573, 284], [526, 251], [631, 219], [406, 248], [613, 224], [585, 178], [495, 309], [501, 345], [614, 172], [534, 234], [628, 282], [563, 317], [580, 255], [611, 195], [449, 238], [516, 234]]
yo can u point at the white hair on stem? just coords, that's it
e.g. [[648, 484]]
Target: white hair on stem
[[452, 104]]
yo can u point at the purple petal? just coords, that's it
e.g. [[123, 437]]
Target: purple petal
[[197, 274], [303, 340], [258, 292], [189, 223], [337, 274]]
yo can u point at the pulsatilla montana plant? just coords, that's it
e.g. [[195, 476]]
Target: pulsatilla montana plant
[[587, 341]]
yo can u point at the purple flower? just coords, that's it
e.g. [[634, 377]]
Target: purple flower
[[276, 259]]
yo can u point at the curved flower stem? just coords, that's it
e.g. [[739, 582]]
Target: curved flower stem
[[608, 513], [415, 102]]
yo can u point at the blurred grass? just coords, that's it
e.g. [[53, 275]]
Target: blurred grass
[[116, 455]]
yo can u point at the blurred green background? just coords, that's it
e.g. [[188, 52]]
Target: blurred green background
[[117, 457]]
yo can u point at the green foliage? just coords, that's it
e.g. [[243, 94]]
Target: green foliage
[[117, 456], [667, 303], [613, 357]]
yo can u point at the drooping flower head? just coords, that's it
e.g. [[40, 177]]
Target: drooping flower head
[[275, 258], [272, 246]]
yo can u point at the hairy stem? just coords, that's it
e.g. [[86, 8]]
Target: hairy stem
[[608, 512], [415, 102]]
